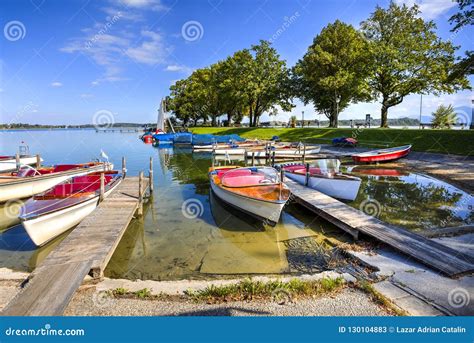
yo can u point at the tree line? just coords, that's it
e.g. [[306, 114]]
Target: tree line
[[394, 53]]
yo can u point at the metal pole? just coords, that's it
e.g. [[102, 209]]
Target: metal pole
[[140, 195], [150, 175], [304, 153], [307, 175], [471, 127], [124, 167], [102, 187], [302, 119], [421, 106], [38, 161], [17, 160]]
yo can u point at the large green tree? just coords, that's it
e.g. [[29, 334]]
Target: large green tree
[[333, 71], [265, 80], [408, 57]]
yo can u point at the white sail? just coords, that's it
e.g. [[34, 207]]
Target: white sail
[[160, 123]]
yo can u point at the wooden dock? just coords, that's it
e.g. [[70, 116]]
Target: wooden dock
[[435, 255], [85, 251]]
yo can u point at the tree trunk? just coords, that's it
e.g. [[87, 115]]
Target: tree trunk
[[229, 119], [384, 113], [333, 119], [213, 120]]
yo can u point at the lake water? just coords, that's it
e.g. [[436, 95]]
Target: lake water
[[186, 233]]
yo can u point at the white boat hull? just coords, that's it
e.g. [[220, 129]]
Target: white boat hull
[[340, 188], [10, 164], [284, 152], [44, 228], [263, 210], [26, 187]]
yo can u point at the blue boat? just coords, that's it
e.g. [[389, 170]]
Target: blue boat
[[171, 138]]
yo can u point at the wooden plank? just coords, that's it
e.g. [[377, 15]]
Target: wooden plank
[[87, 249], [48, 292], [429, 252]]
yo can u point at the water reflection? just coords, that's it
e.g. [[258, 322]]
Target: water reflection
[[413, 200]]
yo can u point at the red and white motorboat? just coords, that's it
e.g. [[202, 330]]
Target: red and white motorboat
[[382, 155], [325, 177], [49, 214], [29, 181]]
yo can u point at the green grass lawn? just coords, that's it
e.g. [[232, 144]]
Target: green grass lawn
[[460, 142]]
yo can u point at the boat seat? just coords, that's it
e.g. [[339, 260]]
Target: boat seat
[[247, 180], [234, 172]]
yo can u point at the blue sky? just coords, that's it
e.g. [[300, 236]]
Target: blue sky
[[69, 62]]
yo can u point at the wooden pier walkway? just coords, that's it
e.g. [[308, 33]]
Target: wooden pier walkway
[[431, 253], [86, 250]]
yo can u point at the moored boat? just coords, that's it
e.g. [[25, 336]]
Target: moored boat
[[49, 214], [257, 191], [29, 181], [9, 163], [325, 177], [382, 155]]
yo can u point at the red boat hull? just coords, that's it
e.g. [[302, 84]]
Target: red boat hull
[[381, 157]]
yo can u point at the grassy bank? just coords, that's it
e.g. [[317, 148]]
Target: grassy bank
[[460, 142]]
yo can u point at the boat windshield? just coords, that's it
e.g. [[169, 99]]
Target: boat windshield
[[328, 166], [245, 177]]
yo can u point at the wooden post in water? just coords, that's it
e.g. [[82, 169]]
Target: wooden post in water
[[245, 157], [253, 158], [282, 174], [102, 187], [267, 156], [273, 158], [38, 161], [140, 194], [150, 175], [124, 167], [307, 175], [17, 160]]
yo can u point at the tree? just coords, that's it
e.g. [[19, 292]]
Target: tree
[[408, 57], [293, 121], [332, 73], [464, 17], [266, 79], [444, 117]]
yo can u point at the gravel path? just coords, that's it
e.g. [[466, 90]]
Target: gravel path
[[349, 302]]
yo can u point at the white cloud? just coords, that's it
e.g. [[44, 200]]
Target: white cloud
[[154, 5], [86, 96], [178, 68], [430, 9], [151, 51], [56, 84]]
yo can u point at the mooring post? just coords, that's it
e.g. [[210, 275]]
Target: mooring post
[[282, 174], [140, 194], [38, 161], [245, 157], [102, 186], [304, 153], [307, 174], [124, 167], [150, 175], [253, 158], [17, 160], [267, 156], [273, 158]]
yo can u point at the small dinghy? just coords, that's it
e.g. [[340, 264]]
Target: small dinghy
[[325, 177], [29, 181], [382, 155], [257, 191], [8, 163], [49, 214]]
